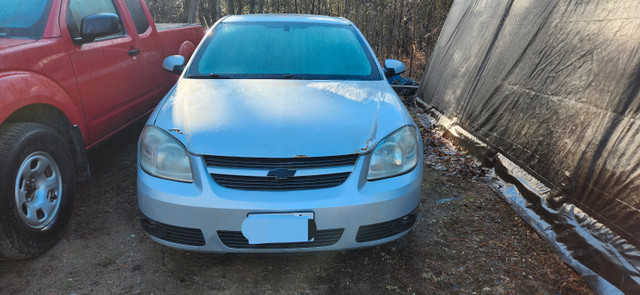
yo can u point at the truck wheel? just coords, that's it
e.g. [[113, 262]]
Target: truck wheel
[[35, 193]]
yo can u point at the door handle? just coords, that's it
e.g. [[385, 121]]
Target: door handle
[[134, 52]]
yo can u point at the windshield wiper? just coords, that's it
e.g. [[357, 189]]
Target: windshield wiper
[[294, 76], [220, 76], [211, 76]]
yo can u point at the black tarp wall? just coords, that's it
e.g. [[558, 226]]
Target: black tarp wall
[[554, 85]]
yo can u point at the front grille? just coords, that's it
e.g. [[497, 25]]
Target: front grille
[[273, 184], [387, 229], [323, 238], [267, 183], [287, 163], [172, 233]]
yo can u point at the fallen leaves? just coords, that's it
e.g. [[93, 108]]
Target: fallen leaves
[[442, 155]]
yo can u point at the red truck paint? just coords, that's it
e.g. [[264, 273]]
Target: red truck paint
[[98, 88]]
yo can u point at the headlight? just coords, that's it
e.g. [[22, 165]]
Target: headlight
[[163, 156], [396, 154]]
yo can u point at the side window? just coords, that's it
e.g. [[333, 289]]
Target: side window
[[137, 13], [79, 9]]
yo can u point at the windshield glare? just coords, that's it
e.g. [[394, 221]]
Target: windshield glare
[[284, 51], [23, 18]]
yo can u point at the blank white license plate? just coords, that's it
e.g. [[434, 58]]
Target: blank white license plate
[[267, 228]]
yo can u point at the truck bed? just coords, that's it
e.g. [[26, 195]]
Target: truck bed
[[169, 26], [173, 36]]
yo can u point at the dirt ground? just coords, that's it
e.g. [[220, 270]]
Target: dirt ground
[[466, 241]]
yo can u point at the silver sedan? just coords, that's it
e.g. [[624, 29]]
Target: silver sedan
[[282, 134]]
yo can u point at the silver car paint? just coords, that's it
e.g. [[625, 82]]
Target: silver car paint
[[281, 118], [210, 207], [375, 112]]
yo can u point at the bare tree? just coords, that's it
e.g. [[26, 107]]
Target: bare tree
[[402, 29], [189, 13]]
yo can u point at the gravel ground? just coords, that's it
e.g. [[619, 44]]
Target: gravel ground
[[466, 241]]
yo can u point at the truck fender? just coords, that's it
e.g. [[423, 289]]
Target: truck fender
[[37, 92], [21, 89]]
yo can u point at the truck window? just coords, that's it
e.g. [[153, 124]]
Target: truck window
[[79, 9], [137, 13], [23, 18]]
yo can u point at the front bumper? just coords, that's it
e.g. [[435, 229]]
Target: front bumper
[[203, 216]]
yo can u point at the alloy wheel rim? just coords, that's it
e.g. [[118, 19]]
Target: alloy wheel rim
[[38, 189]]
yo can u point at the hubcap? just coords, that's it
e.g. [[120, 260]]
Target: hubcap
[[38, 189]]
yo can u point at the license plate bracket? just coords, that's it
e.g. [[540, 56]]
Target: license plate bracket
[[271, 228]]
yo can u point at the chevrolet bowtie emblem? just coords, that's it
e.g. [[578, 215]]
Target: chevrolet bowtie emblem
[[281, 173]]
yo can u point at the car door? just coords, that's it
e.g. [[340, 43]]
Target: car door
[[108, 70]]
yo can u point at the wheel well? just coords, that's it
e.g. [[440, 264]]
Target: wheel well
[[53, 118], [45, 115]]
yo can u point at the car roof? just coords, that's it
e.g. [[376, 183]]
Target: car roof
[[301, 18]]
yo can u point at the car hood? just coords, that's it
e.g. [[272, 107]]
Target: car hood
[[280, 118]]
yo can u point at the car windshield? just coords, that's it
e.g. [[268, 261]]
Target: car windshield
[[23, 18], [284, 50]]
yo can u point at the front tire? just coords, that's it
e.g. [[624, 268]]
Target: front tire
[[36, 172]]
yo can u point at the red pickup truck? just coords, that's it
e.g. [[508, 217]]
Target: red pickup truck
[[72, 73]]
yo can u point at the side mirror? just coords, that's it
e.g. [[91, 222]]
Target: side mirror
[[393, 67], [98, 25], [174, 64]]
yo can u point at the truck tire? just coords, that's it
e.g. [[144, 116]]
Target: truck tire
[[36, 171]]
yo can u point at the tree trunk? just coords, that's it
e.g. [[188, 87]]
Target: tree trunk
[[189, 14], [217, 11], [346, 8], [214, 12], [239, 6], [231, 6]]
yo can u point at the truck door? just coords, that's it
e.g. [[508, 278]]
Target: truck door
[[151, 54], [108, 70]]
